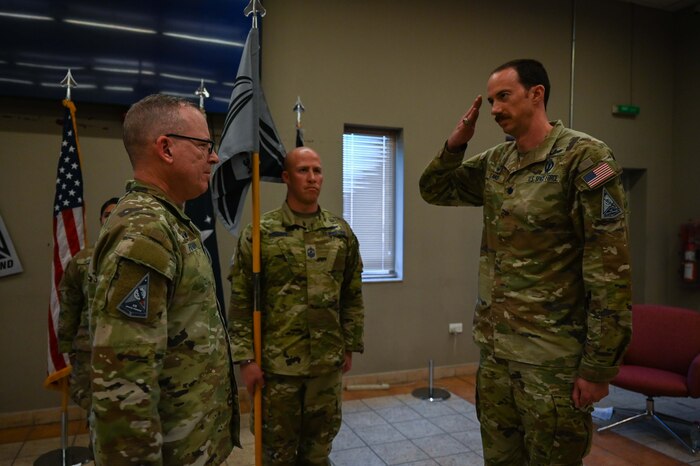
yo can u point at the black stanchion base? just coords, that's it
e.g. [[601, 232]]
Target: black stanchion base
[[435, 394], [74, 455]]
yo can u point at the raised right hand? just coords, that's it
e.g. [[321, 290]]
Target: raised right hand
[[464, 130]]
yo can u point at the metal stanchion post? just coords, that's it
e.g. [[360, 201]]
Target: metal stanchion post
[[430, 393], [65, 456]]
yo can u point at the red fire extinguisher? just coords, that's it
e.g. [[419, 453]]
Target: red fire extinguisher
[[690, 263]]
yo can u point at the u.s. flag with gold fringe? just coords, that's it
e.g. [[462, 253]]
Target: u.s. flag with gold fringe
[[68, 234]]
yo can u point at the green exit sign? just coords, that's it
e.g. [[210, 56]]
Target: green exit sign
[[627, 110]]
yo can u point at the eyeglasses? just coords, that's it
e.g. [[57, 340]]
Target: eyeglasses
[[210, 143]]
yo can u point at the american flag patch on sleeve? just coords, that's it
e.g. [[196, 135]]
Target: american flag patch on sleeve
[[598, 175]]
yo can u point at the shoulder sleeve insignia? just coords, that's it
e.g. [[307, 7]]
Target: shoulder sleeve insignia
[[135, 304], [598, 175], [609, 208]]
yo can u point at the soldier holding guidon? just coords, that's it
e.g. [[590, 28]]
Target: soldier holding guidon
[[312, 317]]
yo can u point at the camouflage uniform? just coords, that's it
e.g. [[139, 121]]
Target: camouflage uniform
[[312, 313], [73, 330], [162, 376], [554, 278]]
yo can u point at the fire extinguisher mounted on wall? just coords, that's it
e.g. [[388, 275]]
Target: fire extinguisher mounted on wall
[[690, 264], [690, 240]]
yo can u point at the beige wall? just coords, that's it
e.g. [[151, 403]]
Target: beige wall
[[415, 67]]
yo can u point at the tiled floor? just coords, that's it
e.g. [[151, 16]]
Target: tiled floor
[[391, 427]]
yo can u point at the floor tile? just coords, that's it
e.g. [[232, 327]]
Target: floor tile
[[383, 402], [400, 429], [460, 405], [36, 448], [470, 438], [354, 406], [400, 452], [433, 409], [363, 419], [398, 413], [346, 439], [8, 451], [454, 423], [440, 445], [462, 459], [358, 456], [418, 428], [374, 435]]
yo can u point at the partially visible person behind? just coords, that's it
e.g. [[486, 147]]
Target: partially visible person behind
[[163, 391], [73, 330], [553, 314], [312, 317]]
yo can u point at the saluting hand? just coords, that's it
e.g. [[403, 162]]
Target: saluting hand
[[464, 130]]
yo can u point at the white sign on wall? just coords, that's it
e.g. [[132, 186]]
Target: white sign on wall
[[9, 261]]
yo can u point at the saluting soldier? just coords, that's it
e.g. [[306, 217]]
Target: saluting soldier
[[553, 313]]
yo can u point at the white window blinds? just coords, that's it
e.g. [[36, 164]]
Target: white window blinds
[[369, 197]]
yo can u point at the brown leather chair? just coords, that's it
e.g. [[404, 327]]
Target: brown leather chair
[[663, 359]]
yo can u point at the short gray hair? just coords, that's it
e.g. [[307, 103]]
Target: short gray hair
[[150, 117]]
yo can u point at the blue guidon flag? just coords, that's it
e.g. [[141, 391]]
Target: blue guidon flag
[[248, 128]]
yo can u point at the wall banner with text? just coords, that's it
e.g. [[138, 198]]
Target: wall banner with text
[[9, 261]]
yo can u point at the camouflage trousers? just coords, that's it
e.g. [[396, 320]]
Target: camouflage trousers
[[301, 417], [80, 379], [527, 415]]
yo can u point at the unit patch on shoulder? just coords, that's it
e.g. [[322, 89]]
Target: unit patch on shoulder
[[598, 175], [609, 208], [135, 304]]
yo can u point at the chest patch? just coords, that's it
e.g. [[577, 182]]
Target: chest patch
[[310, 251], [609, 208], [135, 303], [548, 165]]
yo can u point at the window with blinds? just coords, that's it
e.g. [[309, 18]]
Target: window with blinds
[[371, 186]]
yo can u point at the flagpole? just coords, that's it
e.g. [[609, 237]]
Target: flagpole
[[255, 8], [299, 109], [73, 454]]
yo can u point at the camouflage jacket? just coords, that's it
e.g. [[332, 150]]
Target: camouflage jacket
[[311, 293], [554, 273], [73, 325], [73, 331], [162, 377]]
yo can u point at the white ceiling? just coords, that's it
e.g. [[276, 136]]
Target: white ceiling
[[668, 5]]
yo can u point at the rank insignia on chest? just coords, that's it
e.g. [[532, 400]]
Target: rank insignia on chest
[[135, 303], [310, 251]]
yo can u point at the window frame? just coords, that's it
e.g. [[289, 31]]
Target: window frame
[[396, 135]]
